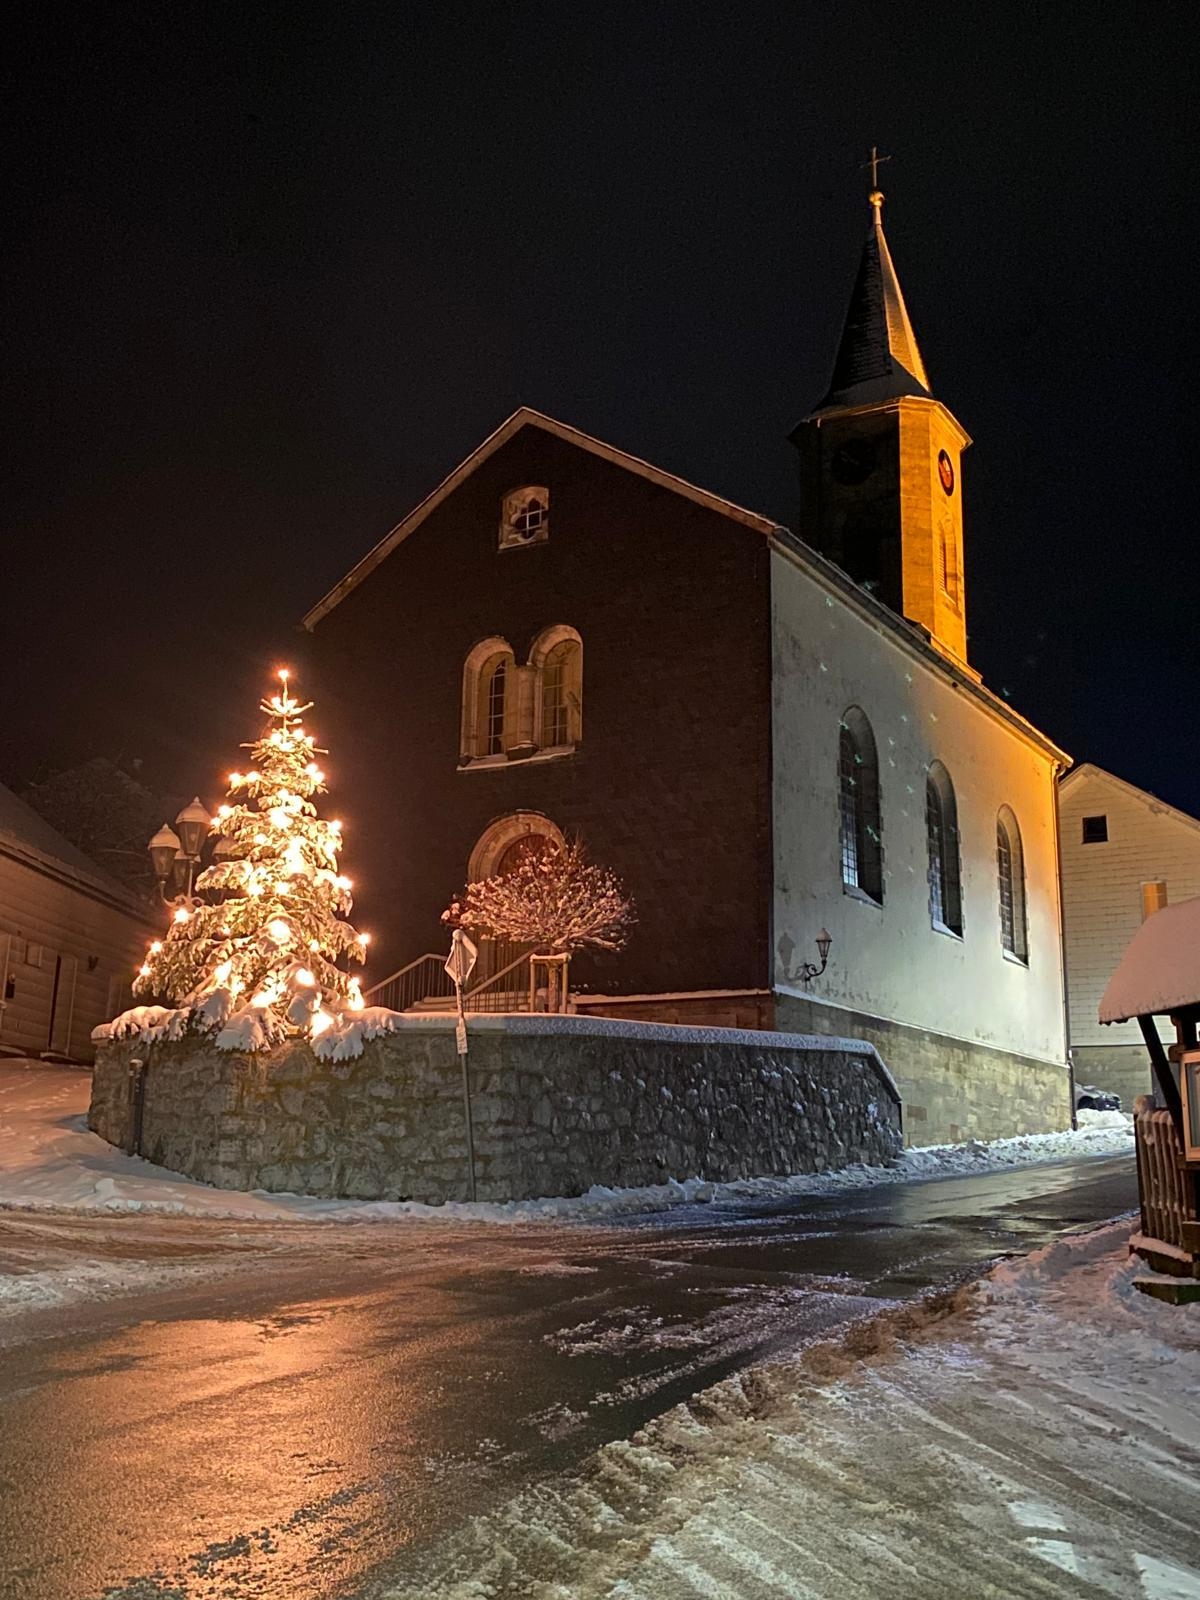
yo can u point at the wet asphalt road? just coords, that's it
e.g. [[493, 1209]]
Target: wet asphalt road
[[343, 1396]]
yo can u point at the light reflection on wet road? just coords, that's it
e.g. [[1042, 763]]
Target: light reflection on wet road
[[347, 1394]]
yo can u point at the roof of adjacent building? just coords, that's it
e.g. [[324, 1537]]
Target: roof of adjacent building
[[1088, 770], [26, 834], [878, 358], [1160, 970]]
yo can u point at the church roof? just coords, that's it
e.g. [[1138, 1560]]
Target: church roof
[[877, 358]]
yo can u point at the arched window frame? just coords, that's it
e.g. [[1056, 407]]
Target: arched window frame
[[557, 658], [860, 829], [1010, 876], [496, 838], [945, 858], [525, 517], [479, 741]]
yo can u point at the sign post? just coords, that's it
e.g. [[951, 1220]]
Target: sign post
[[460, 964]]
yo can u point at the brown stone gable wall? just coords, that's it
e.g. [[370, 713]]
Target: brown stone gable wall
[[671, 786]]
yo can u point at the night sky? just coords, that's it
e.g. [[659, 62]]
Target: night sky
[[273, 270]]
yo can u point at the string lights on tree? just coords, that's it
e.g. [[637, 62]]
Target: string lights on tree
[[262, 952]]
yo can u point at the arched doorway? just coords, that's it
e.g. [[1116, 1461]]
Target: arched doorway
[[503, 845]]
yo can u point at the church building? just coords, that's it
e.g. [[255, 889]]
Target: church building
[[767, 732]]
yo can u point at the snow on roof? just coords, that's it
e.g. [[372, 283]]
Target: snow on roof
[[1160, 970], [29, 835]]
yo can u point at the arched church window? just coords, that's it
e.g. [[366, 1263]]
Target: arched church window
[[858, 797], [557, 656], [945, 869], [494, 685], [485, 700], [1010, 872], [525, 517]]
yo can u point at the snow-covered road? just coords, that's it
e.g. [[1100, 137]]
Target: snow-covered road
[[1036, 1436], [259, 1405]]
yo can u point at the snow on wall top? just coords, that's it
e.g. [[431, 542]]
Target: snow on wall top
[[345, 1038], [1160, 970]]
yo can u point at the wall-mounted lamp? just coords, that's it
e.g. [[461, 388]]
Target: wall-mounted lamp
[[807, 971]]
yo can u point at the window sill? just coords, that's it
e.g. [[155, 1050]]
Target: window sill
[[944, 927], [503, 762], [856, 893], [514, 542], [1016, 960]]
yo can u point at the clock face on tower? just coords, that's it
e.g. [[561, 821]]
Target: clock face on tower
[[946, 472]]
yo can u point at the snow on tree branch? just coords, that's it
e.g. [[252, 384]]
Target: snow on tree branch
[[554, 899]]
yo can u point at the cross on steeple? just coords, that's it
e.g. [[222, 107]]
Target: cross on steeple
[[875, 163], [876, 192]]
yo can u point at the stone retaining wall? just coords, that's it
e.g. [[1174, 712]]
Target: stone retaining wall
[[559, 1104], [953, 1090]]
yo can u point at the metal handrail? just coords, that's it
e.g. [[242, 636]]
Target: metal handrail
[[471, 996], [421, 979], [425, 978], [430, 955]]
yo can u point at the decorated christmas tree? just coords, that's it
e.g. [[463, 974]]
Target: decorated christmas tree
[[261, 952]]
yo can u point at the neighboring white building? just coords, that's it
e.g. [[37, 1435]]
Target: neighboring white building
[[1125, 854]]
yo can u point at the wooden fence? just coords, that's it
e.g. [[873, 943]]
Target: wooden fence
[[1170, 1236]]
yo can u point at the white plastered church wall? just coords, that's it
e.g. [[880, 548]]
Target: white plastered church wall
[[889, 961]]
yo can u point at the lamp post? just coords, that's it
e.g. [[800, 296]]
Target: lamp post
[[175, 855], [807, 971]]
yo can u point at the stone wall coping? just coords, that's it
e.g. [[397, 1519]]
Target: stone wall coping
[[518, 1023]]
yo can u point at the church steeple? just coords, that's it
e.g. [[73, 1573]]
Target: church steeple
[[877, 358], [880, 456]]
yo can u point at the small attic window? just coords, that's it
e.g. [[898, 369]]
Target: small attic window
[[525, 518], [1095, 830]]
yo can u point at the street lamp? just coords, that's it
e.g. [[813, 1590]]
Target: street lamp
[[163, 849], [175, 854], [807, 970], [193, 823]]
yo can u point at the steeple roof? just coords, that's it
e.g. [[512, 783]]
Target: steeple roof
[[877, 358]]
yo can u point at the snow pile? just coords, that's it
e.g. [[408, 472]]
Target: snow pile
[[252, 1028], [1035, 1437], [146, 1024], [346, 1035], [1104, 1119], [249, 1027]]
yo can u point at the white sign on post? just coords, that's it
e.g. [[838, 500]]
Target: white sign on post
[[460, 963]]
